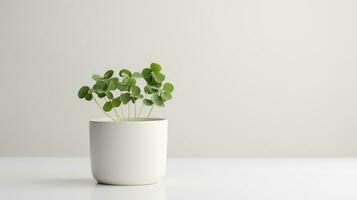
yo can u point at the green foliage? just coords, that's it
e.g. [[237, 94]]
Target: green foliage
[[168, 87], [107, 107], [155, 67], [125, 98], [147, 102], [83, 91], [118, 91], [96, 77], [125, 73], [108, 74], [116, 102], [88, 97]]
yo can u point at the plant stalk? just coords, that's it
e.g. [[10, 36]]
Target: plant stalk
[[102, 109], [128, 111], [150, 111], [142, 105], [122, 112]]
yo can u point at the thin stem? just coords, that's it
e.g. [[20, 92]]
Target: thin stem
[[142, 105], [128, 111], [115, 111], [102, 109], [122, 112], [150, 111], [135, 110], [117, 115]]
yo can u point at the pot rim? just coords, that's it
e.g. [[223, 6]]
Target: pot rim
[[139, 120]]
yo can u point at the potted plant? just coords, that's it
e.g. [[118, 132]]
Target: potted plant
[[128, 147]]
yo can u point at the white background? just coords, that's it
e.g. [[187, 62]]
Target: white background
[[253, 78]]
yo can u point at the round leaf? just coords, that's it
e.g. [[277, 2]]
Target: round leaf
[[99, 87], [166, 96], [83, 92], [132, 81], [125, 73], [89, 97], [168, 87], [146, 73], [135, 90], [108, 74], [123, 87], [109, 94], [148, 102], [107, 106], [147, 89], [125, 98], [100, 95], [114, 79], [159, 77], [137, 75], [112, 85], [96, 77], [116, 102], [155, 67], [157, 100]]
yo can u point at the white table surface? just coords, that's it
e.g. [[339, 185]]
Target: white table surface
[[206, 179]]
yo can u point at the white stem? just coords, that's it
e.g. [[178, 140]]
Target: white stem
[[102, 109], [142, 105], [150, 111], [128, 111]]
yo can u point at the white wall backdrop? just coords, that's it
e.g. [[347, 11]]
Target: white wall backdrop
[[253, 78]]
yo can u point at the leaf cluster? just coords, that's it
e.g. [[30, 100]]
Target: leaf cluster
[[123, 89]]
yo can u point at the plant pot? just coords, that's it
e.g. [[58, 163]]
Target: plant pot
[[128, 152]]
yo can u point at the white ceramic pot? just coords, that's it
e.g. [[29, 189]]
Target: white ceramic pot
[[128, 152]]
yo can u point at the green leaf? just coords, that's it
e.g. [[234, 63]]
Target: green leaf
[[83, 92], [159, 77], [153, 83], [96, 77], [155, 67], [137, 75], [157, 100], [89, 97], [100, 95], [114, 79], [123, 87], [166, 96], [125, 98], [107, 107], [135, 90], [112, 85], [168, 87], [132, 81], [109, 95], [146, 73], [116, 102], [126, 80], [148, 102], [99, 87], [147, 89], [125, 73], [108, 74]]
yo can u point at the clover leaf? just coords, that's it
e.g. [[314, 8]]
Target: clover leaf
[[107, 87], [125, 73], [107, 107], [108, 74], [168, 87], [83, 91], [125, 98], [155, 67]]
